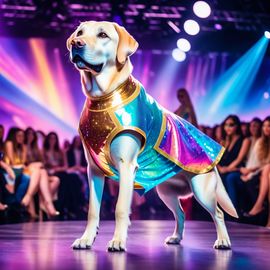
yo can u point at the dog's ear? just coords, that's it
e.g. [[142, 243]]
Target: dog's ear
[[127, 44]]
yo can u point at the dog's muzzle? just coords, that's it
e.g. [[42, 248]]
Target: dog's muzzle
[[82, 64]]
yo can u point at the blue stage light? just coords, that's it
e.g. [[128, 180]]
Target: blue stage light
[[229, 93], [267, 34]]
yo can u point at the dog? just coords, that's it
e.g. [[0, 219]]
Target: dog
[[125, 134]]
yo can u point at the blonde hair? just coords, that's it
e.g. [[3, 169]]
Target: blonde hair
[[188, 104]]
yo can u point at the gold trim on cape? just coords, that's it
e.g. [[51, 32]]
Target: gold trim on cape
[[177, 162]]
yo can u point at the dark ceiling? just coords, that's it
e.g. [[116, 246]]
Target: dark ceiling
[[242, 21]]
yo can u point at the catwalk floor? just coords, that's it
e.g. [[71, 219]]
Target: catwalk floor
[[47, 246]]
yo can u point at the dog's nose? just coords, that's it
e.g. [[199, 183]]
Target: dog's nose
[[78, 43]]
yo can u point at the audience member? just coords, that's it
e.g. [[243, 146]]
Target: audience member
[[217, 133], [15, 157], [47, 186], [70, 200], [186, 110], [233, 141], [259, 163]]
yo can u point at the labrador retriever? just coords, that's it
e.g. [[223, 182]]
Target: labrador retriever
[[130, 138]]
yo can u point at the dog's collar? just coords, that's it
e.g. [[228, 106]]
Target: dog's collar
[[124, 93]]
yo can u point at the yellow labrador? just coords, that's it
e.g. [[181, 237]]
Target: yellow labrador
[[100, 51]]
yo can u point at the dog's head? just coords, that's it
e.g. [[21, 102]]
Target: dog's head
[[97, 45]]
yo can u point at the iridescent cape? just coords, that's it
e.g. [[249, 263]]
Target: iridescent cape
[[170, 144]]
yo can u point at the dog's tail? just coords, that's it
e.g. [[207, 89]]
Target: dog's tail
[[223, 198]]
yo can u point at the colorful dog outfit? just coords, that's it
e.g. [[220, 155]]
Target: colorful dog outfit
[[170, 144]]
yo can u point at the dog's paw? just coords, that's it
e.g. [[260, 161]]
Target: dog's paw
[[83, 243], [224, 244], [116, 245], [173, 240]]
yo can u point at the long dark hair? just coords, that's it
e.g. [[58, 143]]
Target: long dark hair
[[33, 144], [215, 131], [259, 122], [264, 147], [33, 154], [236, 121], [47, 145], [72, 147], [11, 136], [247, 132]]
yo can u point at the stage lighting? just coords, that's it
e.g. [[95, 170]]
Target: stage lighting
[[266, 95], [267, 34], [201, 9], [178, 55], [191, 27], [218, 26], [183, 44], [232, 88]]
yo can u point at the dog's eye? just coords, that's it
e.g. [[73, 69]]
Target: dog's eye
[[102, 35], [79, 33]]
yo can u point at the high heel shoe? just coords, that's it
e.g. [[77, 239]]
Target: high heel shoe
[[3, 207], [48, 209], [250, 216]]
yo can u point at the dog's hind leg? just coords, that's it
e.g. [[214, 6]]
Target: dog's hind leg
[[169, 194], [204, 189]]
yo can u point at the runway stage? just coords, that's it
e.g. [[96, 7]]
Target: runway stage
[[47, 246]]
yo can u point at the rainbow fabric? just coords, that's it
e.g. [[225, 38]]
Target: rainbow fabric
[[170, 145]]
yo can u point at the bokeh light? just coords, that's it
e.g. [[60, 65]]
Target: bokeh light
[[202, 9], [183, 44], [178, 55], [191, 27]]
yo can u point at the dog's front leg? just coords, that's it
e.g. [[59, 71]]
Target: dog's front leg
[[124, 152], [96, 184]]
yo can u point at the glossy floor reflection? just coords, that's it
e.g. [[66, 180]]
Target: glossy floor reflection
[[47, 246]]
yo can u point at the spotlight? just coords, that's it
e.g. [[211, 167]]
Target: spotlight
[[191, 27], [178, 55], [266, 95], [183, 44], [267, 34], [201, 9]]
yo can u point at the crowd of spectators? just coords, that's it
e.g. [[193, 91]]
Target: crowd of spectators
[[39, 179]]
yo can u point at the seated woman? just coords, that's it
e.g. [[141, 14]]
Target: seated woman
[[48, 186], [217, 133], [14, 158], [69, 195], [260, 163], [5, 170], [11, 174], [235, 184], [77, 163], [233, 143], [3, 206]]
